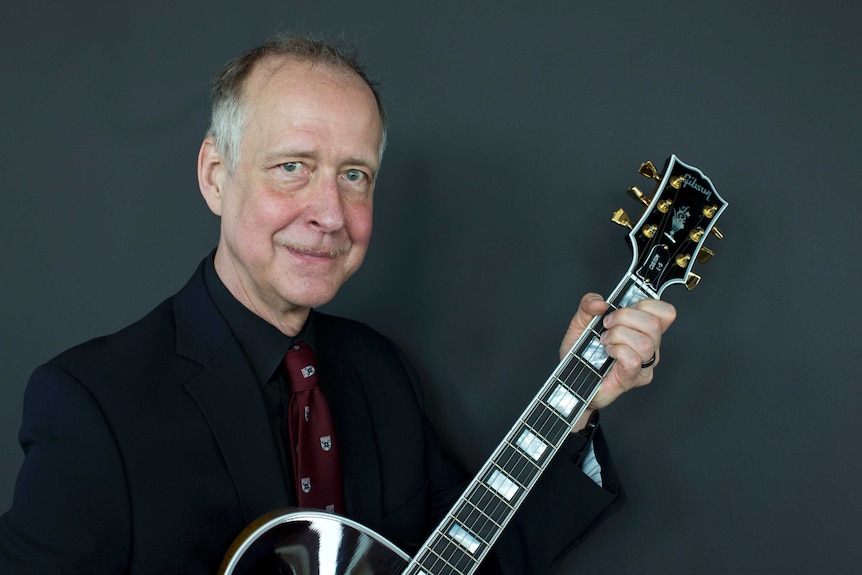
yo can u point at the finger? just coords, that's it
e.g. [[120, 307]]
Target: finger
[[591, 305], [632, 346], [663, 311]]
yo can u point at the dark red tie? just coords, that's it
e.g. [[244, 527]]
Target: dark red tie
[[316, 465]]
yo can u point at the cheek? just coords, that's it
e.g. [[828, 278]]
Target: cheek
[[359, 223]]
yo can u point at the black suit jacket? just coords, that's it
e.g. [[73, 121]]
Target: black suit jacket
[[148, 451]]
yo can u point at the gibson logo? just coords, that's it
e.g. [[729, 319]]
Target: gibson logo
[[691, 182]]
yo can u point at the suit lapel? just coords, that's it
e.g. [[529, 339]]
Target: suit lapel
[[360, 463], [226, 393]]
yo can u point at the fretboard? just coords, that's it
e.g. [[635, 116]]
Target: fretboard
[[474, 523]]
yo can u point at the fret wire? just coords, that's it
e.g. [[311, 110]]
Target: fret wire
[[519, 468], [503, 471], [481, 495], [545, 421], [454, 522], [486, 490], [437, 563], [453, 554], [556, 413], [567, 386], [599, 371], [498, 524], [475, 521], [538, 432], [500, 505], [591, 383]]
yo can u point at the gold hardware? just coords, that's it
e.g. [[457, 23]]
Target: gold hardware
[[648, 170], [683, 259], [676, 183], [709, 211], [638, 195], [696, 234], [717, 232], [621, 218], [650, 230], [692, 280], [664, 205], [704, 255]]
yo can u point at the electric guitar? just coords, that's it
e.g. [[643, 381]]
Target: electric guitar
[[666, 241]]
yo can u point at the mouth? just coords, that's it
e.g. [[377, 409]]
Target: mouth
[[317, 253]]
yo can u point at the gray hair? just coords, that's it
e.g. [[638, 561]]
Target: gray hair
[[228, 108]]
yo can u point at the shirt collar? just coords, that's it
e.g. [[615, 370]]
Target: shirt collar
[[263, 344]]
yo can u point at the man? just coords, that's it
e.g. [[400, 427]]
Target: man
[[149, 450]]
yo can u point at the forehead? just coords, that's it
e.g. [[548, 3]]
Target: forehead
[[284, 92]]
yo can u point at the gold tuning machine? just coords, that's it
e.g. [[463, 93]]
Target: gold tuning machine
[[704, 255], [637, 195], [709, 211], [692, 280], [682, 260], [621, 218], [648, 170]]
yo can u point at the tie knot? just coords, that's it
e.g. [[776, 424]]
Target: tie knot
[[300, 367]]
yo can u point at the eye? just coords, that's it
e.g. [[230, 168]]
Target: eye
[[291, 167], [355, 176]]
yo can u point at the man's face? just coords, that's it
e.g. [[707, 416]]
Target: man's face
[[296, 214]]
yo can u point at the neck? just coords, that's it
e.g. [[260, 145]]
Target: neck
[[286, 319]]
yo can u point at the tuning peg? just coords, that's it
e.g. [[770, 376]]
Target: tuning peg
[[692, 280], [717, 232], [621, 218], [648, 170], [637, 195], [704, 255]]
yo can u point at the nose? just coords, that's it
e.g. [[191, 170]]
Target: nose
[[325, 210]]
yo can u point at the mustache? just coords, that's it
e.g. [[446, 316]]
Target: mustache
[[320, 251]]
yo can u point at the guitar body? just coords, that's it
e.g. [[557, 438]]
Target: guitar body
[[311, 543]]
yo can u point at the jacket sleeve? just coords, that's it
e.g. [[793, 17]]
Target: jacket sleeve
[[564, 507], [70, 511]]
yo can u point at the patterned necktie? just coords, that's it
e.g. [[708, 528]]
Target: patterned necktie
[[316, 466]]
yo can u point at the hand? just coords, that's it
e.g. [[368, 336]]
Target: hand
[[632, 337]]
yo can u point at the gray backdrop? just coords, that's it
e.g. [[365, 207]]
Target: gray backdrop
[[516, 127]]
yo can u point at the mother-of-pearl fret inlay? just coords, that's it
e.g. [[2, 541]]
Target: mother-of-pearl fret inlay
[[563, 400], [595, 353], [632, 296], [531, 444], [502, 485], [463, 538]]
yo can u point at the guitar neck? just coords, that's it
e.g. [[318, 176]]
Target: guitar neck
[[467, 533]]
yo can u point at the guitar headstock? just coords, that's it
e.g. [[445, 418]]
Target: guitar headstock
[[669, 237]]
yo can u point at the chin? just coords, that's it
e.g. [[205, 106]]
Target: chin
[[314, 298]]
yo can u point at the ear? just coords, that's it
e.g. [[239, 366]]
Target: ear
[[212, 174]]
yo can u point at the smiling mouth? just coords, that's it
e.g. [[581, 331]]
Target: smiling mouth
[[331, 253]]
